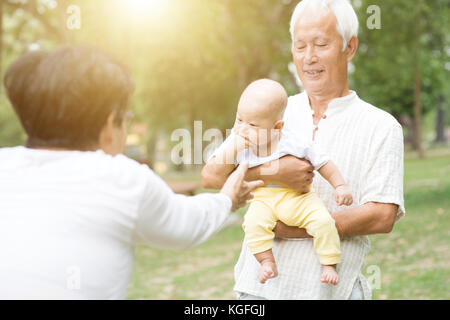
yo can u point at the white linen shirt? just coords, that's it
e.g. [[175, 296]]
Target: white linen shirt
[[291, 143], [70, 220], [366, 144]]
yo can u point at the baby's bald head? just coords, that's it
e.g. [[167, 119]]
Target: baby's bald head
[[264, 98]]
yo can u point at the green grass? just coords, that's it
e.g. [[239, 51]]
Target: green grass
[[414, 259]]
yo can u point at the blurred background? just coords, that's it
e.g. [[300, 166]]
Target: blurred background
[[191, 59]]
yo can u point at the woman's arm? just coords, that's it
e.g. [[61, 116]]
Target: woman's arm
[[222, 163], [172, 221], [214, 173]]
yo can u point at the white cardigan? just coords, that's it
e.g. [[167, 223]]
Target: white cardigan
[[70, 220]]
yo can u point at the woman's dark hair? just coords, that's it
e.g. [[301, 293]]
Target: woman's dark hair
[[64, 97]]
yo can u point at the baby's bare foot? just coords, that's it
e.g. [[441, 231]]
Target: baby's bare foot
[[329, 275], [268, 270]]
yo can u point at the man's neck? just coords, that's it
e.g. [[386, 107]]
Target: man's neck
[[319, 101]]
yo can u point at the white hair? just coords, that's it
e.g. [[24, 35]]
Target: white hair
[[347, 21]]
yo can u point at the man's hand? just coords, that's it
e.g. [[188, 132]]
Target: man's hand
[[282, 230], [290, 172], [294, 173], [239, 190]]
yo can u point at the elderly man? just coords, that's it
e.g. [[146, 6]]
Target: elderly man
[[365, 142]]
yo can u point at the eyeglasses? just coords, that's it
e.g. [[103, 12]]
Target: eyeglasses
[[128, 118], [129, 115]]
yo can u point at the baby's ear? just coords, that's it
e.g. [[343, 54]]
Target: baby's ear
[[279, 125]]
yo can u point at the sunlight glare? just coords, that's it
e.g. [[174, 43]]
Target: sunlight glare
[[144, 7]]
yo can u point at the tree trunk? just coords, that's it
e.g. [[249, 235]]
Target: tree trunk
[[418, 112], [440, 121], [151, 149], [418, 85], [407, 123], [1, 43]]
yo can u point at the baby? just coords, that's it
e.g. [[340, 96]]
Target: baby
[[258, 137]]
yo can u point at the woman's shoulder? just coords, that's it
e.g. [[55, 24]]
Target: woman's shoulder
[[122, 165], [84, 163], [120, 174]]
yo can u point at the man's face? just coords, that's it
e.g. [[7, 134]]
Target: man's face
[[317, 52]]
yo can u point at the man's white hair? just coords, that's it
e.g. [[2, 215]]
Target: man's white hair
[[347, 21]]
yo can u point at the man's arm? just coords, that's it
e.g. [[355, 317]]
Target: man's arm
[[291, 172], [381, 190], [369, 218]]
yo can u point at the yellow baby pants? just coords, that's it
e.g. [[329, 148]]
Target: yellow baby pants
[[308, 211]]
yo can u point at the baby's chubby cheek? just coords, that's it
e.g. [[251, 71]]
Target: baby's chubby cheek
[[241, 130]]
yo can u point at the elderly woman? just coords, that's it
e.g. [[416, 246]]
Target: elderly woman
[[72, 207], [365, 142]]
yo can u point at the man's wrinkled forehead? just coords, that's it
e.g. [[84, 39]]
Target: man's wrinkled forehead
[[315, 25]]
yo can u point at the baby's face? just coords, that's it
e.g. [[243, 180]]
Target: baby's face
[[256, 122], [260, 112]]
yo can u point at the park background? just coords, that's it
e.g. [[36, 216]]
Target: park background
[[191, 59]]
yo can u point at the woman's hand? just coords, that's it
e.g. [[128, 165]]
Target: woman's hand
[[239, 190]]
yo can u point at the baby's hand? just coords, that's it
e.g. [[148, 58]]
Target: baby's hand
[[240, 143], [343, 196]]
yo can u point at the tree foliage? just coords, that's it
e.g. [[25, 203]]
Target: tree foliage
[[412, 34], [191, 59]]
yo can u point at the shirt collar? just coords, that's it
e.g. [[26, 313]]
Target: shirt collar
[[336, 105]]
